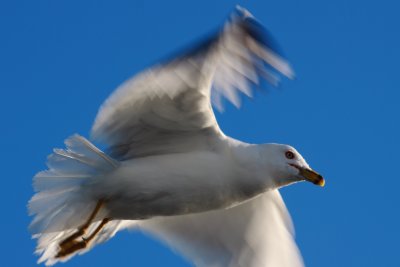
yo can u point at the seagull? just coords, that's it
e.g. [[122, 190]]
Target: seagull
[[170, 171]]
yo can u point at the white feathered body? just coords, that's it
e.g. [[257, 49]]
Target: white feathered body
[[175, 184]]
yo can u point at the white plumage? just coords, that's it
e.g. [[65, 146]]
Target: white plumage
[[170, 170]]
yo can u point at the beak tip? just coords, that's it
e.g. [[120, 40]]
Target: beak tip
[[321, 182]]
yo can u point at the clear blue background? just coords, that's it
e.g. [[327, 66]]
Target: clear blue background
[[60, 59]]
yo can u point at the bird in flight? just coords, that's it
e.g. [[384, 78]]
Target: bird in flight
[[169, 169]]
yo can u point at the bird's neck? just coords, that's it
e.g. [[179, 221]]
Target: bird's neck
[[253, 178], [259, 170]]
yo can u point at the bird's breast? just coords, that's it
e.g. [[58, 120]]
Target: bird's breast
[[173, 185]]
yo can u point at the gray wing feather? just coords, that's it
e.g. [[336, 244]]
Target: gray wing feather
[[167, 108], [256, 233]]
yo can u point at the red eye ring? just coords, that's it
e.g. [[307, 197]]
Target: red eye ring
[[289, 155]]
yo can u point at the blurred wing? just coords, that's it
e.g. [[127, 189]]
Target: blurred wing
[[167, 108], [254, 234]]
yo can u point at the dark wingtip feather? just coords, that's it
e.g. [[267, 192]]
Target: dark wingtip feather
[[247, 21], [256, 30]]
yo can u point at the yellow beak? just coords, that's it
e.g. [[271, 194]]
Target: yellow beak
[[312, 176]]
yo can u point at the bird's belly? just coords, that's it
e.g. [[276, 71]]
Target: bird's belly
[[169, 185]]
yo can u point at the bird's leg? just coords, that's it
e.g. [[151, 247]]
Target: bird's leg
[[75, 245], [82, 230], [69, 244], [95, 232]]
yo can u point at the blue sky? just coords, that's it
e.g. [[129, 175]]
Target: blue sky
[[60, 59]]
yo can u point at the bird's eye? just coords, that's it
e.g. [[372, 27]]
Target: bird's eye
[[289, 155]]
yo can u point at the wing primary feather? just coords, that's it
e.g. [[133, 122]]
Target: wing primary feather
[[146, 115]]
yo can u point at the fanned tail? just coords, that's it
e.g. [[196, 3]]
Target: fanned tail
[[59, 205]]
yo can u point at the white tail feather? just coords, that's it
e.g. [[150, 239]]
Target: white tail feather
[[48, 242], [59, 206]]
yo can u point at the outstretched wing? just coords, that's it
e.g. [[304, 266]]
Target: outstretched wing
[[256, 233], [167, 108]]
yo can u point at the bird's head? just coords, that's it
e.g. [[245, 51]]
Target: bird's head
[[288, 166]]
